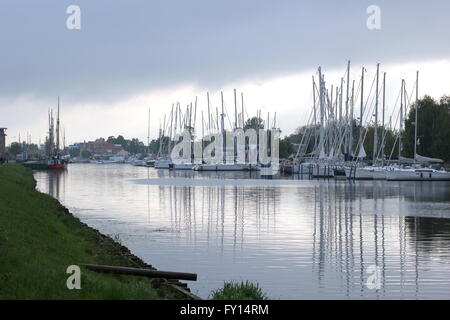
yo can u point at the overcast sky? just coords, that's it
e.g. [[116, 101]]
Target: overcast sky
[[132, 55]]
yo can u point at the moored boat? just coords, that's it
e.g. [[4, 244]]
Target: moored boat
[[421, 174], [35, 165], [57, 163], [183, 166], [379, 173], [163, 163], [223, 167], [359, 173]]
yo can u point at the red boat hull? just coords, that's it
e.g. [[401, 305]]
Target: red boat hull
[[57, 166]]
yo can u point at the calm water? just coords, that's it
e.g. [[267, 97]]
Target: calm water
[[299, 239]]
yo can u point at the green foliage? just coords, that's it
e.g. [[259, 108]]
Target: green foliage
[[286, 148], [85, 154], [74, 152], [154, 145], [433, 129], [254, 123], [15, 148], [239, 291], [133, 146], [39, 240]]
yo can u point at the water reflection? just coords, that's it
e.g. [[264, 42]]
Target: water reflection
[[311, 239]]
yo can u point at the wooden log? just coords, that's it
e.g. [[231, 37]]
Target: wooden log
[[143, 272]]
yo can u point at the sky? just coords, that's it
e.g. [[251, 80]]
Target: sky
[[129, 56]]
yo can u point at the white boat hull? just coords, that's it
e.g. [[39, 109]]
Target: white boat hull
[[379, 174], [183, 166], [222, 167], [359, 173], [417, 175], [162, 164]]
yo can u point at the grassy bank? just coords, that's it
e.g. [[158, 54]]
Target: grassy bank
[[39, 239]]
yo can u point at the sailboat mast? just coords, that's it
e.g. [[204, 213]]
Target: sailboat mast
[[383, 124], [347, 138], [314, 111], [242, 106], [352, 105], [57, 129], [209, 114], [401, 122], [148, 132], [361, 111], [235, 111], [222, 115], [163, 131], [52, 134], [322, 132], [170, 131], [416, 116], [375, 129], [160, 138], [340, 101]]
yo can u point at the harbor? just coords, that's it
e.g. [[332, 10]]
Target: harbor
[[215, 196], [193, 154]]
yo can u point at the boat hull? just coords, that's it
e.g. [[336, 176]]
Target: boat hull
[[163, 164], [379, 174], [183, 166], [223, 167], [359, 173], [35, 165], [414, 175], [57, 166]]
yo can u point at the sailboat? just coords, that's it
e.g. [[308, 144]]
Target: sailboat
[[416, 172], [55, 160], [227, 149]]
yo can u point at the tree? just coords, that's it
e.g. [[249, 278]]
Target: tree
[[254, 123], [85, 154], [286, 148], [133, 146], [15, 148], [433, 131]]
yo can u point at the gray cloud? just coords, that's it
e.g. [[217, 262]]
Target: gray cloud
[[125, 47]]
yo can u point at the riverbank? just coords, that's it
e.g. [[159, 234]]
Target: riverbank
[[40, 239]]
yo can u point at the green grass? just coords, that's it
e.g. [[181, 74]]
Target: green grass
[[239, 291], [39, 239]]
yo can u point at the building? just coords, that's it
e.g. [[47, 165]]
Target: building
[[2, 143], [100, 148]]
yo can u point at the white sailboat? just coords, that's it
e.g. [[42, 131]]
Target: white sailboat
[[163, 163], [183, 166], [416, 172], [420, 174], [379, 173]]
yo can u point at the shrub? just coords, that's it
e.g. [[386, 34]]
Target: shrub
[[239, 291]]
